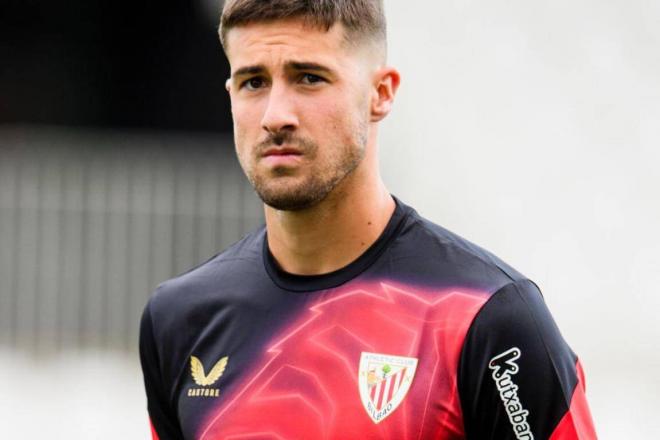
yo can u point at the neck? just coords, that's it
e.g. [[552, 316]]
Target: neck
[[334, 232]]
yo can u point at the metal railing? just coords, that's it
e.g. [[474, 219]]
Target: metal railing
[[91, 222]]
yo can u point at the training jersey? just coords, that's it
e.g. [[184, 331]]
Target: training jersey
[[424, 336]]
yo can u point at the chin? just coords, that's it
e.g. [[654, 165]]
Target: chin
[[289, 203], [296, 198]]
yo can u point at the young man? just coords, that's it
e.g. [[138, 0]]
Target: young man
[[348, 316]]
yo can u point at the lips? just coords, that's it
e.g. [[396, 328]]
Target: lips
[[282, 157], [286, 151]]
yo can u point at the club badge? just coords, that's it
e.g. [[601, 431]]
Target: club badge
[[384, 381]]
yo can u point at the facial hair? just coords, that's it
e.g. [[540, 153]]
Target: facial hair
[[316, 186]]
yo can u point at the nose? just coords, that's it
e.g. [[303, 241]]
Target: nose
[[280, 113]]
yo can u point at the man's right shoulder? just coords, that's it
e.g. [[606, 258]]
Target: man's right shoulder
[[178, 312], [240, 261]]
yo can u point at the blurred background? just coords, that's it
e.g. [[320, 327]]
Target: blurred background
[[531, 128]]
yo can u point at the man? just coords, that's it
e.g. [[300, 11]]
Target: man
[[348, 316]]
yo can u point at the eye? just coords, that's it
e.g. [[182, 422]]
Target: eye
[[253, 84], [310, 78]]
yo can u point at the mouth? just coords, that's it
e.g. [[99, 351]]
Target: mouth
[[279, 157], [281, 151]]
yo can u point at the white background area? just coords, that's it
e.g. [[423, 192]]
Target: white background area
[[533, 129], [529, 127]]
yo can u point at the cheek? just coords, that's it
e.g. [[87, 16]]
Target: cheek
[[241, 135], [346, 117], [246, 116], [329, 116]]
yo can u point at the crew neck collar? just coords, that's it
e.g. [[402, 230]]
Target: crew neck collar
[[306, 283]]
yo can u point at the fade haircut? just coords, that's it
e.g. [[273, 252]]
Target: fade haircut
[[363, 20]]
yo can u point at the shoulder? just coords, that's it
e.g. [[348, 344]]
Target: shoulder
[[514, 353], [207, 281], [459, 244], [514, 307], [517, 316], [441, 257], [512, 302], [180, 311]]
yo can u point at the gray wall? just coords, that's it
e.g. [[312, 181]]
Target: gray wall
[[533, 129], [91, 222]]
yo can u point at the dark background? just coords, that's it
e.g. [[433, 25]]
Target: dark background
[[102, 63]]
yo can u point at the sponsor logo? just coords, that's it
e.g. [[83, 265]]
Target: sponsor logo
[[504, 366], [206, 380], [384, 381]]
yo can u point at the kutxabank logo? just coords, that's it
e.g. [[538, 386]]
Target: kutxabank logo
[[503, 367], [384, 381]]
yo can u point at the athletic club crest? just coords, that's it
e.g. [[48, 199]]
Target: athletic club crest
[[384, 380]]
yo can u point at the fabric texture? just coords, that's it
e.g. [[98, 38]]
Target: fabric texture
[[424, 336]]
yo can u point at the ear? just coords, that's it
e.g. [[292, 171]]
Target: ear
[[386, 83]]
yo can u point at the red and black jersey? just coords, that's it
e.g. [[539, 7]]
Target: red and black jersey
[[424, 336]]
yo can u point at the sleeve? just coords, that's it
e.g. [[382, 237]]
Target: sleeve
[[162, 417], [517, 378]]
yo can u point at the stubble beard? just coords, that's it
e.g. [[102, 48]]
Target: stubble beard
[[305, 193]]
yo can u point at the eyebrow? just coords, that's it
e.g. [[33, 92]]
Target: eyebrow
[[291, 65], [314, 67], [249, 70]]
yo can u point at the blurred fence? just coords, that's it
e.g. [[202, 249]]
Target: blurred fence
[[91, 222]]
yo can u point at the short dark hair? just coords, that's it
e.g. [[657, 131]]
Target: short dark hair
[[363, 20]]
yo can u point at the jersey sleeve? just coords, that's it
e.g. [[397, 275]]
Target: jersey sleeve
[[517, 378], [162, 417]]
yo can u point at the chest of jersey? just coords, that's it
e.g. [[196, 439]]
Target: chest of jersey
[[368, 360]]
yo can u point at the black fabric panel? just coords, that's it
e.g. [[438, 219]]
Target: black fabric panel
[[516, 325], [160, 412], [307, 283]]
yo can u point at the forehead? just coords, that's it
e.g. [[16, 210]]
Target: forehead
[[291, 39]]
